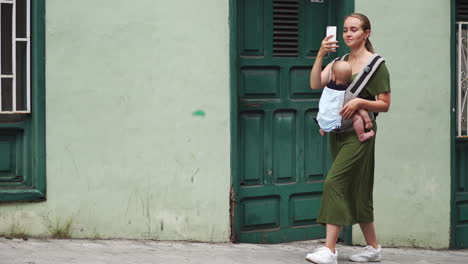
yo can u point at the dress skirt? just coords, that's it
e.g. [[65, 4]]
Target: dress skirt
[[347, 191]]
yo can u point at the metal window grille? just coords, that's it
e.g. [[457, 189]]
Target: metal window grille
[[15, 57], [462, 79]]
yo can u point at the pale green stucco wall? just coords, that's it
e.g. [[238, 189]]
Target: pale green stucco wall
[[412, 180], [126, 156]]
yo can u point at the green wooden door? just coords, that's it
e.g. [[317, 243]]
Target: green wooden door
[[459, 146], [280, 158], [461, 194]]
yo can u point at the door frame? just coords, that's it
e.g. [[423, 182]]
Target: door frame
[[348, 8], [453, 118]]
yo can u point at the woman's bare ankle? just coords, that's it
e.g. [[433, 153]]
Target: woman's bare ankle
[[331, 248]]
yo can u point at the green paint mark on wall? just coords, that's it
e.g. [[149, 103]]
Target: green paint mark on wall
[[199, 113]]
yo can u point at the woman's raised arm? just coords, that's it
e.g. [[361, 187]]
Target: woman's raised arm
[[319, 78]]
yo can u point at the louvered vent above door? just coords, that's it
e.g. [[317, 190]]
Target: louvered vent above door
[[462, 10], [285, 28]]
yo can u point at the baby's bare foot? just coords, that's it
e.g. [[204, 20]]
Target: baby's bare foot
[[322, 132], [368, 124], [366, 136]]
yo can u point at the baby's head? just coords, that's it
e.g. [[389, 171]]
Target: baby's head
[[341, 72]]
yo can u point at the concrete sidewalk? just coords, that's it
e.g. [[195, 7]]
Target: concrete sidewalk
[[35, 251]]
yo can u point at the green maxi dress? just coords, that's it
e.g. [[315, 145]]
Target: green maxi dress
[[347, 192]]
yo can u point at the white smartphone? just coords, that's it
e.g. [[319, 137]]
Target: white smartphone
[[331, 30]]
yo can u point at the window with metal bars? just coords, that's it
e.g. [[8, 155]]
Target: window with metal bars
[[462, 67], [22, 100], [15, 42]]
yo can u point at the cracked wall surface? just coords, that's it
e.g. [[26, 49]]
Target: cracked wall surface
[[412, 175], [137, 109], [137, 124]]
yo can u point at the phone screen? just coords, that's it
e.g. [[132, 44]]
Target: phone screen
[[331, 30]]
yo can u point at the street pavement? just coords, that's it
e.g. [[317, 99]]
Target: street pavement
[[73, 251]]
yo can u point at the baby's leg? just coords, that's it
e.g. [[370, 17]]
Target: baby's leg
[[365, 116], [358, 126], [322, 132]]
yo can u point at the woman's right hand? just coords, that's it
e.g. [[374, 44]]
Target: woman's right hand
[[327, 46]]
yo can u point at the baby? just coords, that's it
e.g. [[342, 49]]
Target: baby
[[331, 103]]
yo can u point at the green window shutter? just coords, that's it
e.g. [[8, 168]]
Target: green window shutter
[[285, 28], [462, 10], [22, 133]]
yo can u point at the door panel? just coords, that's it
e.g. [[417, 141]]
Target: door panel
[[461, 194], [281, 158]]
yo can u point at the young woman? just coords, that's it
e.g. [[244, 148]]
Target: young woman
[[347, 193]]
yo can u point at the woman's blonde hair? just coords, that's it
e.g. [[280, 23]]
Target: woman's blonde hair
[[365, 24]]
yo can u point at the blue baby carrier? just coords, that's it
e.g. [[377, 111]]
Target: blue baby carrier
[[333, 100]]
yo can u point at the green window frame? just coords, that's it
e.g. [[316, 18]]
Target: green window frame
[[22, 136]]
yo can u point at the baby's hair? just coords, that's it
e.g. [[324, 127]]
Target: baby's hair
[[342, 71]]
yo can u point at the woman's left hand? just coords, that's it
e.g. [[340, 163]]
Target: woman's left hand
[[349, 108]]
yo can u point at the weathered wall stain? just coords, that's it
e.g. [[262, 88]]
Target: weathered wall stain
[[199, 113]]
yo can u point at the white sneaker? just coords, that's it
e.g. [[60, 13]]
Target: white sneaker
[[370, 254], [323, 255]]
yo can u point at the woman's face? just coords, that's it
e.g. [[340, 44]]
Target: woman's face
[[353, 34]]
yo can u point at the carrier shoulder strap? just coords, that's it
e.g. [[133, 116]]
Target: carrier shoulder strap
[[364, 76], [333, 61]]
